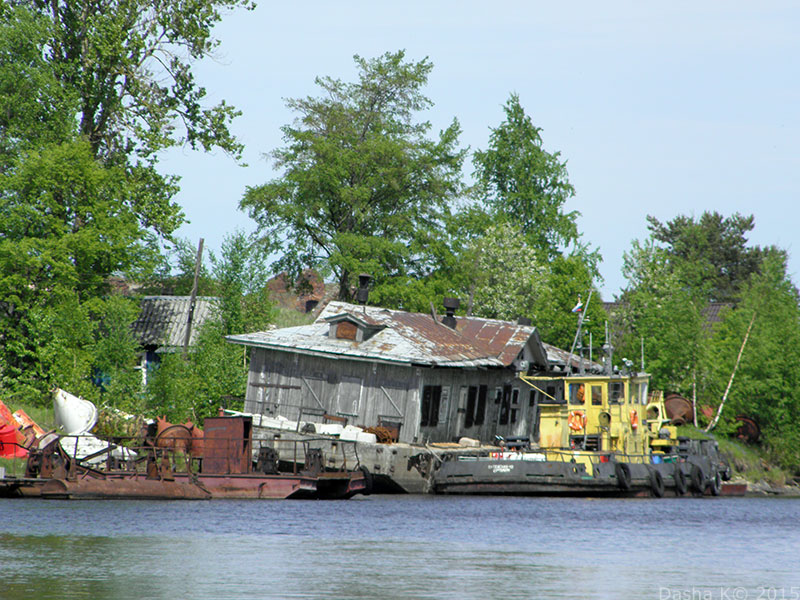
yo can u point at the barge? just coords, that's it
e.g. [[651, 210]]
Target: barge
[[226, 465]]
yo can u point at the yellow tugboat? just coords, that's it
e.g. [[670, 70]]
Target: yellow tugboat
[[597, 433]]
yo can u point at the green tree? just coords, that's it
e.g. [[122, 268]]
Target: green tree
[[90, 91], [766, 386], [523, 183], [241, 277], [658, 309], [508, 276], [711, 252], [363, 186]]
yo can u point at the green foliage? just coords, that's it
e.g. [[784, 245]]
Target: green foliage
[[509, 277], [767, 383], [659, 309], [78, 342], [711, 252], [128, 63], [525, 184], [195, 387], [570, 277], [363, 187], [90, 91], [241, 277]]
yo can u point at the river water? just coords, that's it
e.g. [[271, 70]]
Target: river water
[[402, 547]]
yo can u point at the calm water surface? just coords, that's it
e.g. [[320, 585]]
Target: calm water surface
[[402, 547]]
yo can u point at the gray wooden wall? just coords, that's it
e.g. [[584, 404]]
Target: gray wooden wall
[[302, 387]]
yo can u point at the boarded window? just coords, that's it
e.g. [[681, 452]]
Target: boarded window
[[431, 397], [346, 331]]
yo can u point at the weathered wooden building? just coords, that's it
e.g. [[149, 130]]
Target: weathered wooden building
[[163, 322], [437, 379]]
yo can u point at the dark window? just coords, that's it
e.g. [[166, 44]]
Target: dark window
[[514, 405], [431, 395], [597, 395], [472, 395], [480, 410], [505, 406], [577, 393], [531, 397], [616, 392]]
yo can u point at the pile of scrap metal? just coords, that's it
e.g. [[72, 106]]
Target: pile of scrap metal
[[171, 462]]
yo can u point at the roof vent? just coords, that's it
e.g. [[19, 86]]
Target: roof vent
[[450, 306]]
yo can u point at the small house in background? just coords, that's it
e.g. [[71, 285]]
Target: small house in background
[[430, 379], [163, 322]]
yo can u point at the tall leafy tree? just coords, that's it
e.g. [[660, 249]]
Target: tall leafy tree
[[363, 186], [660, 311], [522, 182], [90, 91], [712, 251]]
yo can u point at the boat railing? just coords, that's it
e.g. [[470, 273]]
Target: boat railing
[[133, 455]]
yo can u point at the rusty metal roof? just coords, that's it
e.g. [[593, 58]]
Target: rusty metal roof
[[162, 320], [411, 338]]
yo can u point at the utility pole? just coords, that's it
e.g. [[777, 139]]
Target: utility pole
[[193, 298]]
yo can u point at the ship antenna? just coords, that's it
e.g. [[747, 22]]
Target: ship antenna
[[581, 313]]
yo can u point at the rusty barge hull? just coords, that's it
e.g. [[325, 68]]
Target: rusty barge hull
[[205, 487]]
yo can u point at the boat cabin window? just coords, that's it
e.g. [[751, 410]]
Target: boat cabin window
[[577, 393], [597, 395], [616, 392], [431, 396], [639, 392]]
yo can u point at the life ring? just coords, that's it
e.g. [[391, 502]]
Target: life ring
[[634, 419], [623, 473], [576, 420], [656, 483]]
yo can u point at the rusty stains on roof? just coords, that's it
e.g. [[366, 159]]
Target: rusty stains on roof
[[411, 338]]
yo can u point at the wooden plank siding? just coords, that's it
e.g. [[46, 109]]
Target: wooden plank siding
[[301, 386]]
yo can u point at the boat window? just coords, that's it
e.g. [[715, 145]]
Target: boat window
[[577, 393], [616, 392], [639, 392], [431, 396], [597, 395], [480, 410]]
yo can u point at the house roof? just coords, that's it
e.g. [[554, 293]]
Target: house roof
[[403, 337], [163, 320]]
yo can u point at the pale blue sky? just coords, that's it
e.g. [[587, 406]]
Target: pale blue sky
[[658, 108]]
